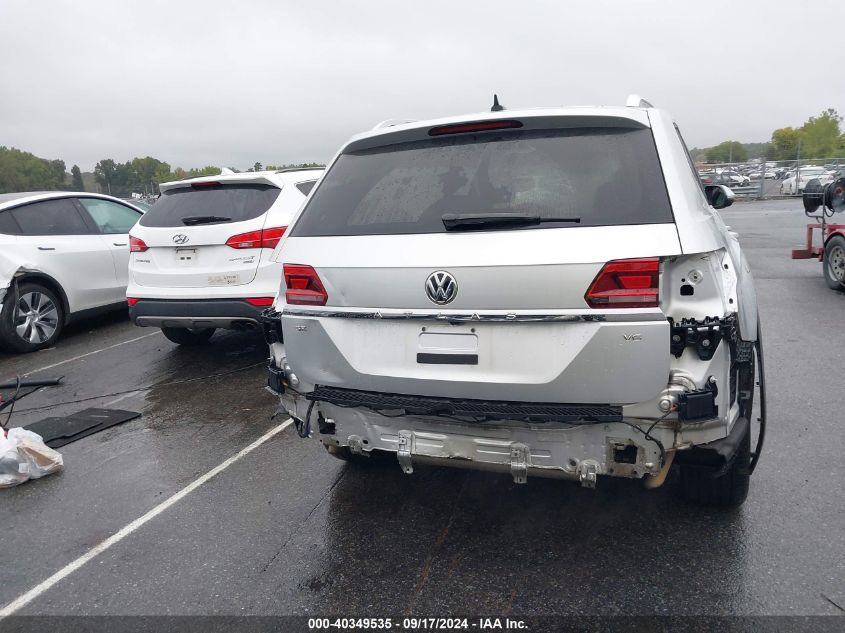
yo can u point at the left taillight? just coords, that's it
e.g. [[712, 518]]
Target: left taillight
[[303, 286], [136, 245], [626, 283], [265, 238]]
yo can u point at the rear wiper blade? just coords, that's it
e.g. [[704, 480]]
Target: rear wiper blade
[[469, 221], [203, 219]]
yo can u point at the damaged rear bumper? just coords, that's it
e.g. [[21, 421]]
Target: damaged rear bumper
[[578, 450]]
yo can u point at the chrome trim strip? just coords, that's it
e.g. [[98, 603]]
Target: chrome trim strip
[[474, 317]]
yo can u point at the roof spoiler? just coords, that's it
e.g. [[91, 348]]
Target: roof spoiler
[[636, 101]]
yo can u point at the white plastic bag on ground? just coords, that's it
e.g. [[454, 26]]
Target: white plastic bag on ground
[[24, 456]]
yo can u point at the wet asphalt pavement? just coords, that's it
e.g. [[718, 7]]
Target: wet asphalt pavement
[[289, 530]]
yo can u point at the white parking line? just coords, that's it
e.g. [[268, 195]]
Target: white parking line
[[96, 351], [36, 591]]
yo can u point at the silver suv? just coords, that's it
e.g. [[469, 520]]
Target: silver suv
[[544, 292]]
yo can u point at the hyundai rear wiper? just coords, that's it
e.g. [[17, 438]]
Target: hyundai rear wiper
[[203, 219], [469, 221]]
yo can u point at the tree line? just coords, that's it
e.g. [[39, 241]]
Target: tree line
[[820, 137], [23, 171]]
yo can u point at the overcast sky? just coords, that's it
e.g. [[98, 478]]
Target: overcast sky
[[230, 83]]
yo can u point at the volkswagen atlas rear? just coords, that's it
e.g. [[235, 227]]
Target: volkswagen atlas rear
[[200, 258], [541, 292]]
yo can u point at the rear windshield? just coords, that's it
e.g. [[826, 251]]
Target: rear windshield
[[602, 176], [236, 203]]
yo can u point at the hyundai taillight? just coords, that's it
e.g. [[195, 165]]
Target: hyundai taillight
[[304, 286], [626, 283], [131, 301], [136, 245], [265, 238]]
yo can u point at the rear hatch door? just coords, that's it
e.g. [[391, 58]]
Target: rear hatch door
[[425, 296], [205, 234]]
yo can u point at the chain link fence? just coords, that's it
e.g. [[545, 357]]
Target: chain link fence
[[761, 179]]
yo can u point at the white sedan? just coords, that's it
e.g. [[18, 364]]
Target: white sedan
[[794, 183], [62, 255]]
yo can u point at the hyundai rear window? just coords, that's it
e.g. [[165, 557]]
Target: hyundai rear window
[[215, 204], [603, 176]]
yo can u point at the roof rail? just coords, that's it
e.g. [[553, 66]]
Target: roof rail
[[392, 122], [636, 101]]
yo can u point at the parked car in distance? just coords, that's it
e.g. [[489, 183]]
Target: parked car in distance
[[62, 256], [795, 182], [468, 291], [738, 179], [768, 174], [201, 255], [724, 178]]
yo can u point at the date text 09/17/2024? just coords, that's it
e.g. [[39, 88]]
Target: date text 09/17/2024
[[418, 624]]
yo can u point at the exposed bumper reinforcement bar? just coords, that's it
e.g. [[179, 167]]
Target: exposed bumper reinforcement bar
[[486, 409]]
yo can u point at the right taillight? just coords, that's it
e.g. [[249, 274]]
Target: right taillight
[[263, 238], [626, 283], [304, 286], [136, 245]]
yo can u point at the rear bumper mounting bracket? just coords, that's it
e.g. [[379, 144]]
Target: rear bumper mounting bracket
[[356, 445], [403, 452], [519, 462]]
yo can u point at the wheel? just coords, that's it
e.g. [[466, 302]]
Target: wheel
[[184, 336], [32, 322], [697, 484], [834, 262]]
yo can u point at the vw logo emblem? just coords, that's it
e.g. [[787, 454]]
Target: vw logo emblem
[[180, 238], [441, 287]]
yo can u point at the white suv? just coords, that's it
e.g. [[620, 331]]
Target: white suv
[[200, 258], [544, 292]]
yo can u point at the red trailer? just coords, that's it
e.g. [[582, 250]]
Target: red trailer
[[821, 203]]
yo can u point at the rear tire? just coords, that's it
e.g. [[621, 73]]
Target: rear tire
[[184, 336], [834, 262], [697, 484], [34, 321]]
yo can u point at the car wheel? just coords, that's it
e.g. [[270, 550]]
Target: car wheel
[[184, 336], [32, 322], [834, 262], [699, 486]]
